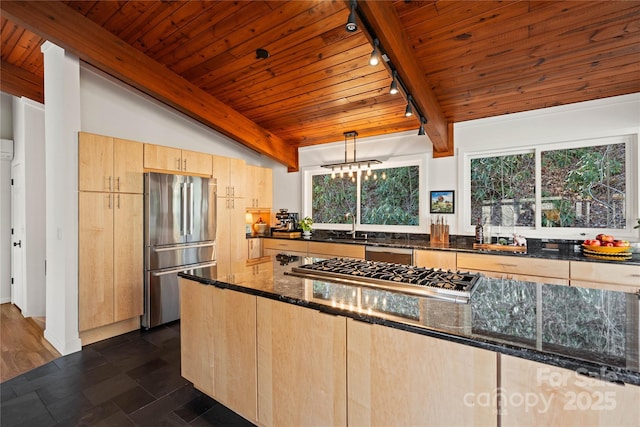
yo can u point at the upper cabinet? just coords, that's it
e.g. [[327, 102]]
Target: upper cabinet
[[259, 187], [109, 164], [230, 175], [161, 158]]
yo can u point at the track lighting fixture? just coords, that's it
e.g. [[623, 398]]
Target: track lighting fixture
[[393, 89], [375, 55], [423, 122], [352, 25], [408, 112]]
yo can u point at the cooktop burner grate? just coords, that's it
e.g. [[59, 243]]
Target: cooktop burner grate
[[457, 286]]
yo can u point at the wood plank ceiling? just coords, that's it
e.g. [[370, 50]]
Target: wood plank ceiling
[[461, 60]]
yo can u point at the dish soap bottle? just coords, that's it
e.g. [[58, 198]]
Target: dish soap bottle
[[479, 232]]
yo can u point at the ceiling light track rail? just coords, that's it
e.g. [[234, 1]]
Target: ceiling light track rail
[[379, 55]]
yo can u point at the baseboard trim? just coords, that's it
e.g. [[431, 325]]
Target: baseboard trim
[[109, 331]]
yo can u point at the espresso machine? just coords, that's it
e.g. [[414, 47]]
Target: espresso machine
[[286, 221]]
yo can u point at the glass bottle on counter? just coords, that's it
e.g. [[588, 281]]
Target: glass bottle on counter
[[479, 232]]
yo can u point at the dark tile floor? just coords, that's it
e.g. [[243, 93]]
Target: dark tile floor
[[130, 380]]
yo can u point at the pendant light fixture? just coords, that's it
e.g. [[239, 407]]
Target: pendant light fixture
[[351, 164], [352, 25]]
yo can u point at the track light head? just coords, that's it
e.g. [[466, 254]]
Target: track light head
[[408, 112], [352, 25], [393, 89], [375, 55], [423, 121]]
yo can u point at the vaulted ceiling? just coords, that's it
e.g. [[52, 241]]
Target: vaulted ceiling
[[459, 60]]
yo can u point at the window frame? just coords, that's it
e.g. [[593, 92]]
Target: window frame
[[400, 161], [538, 231]]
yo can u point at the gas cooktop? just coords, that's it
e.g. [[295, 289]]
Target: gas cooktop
[[430, 282]]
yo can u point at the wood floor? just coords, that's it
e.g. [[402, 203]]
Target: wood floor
[[23, 345]]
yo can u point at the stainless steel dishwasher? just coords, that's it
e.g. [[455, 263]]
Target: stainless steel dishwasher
[[384, 254]]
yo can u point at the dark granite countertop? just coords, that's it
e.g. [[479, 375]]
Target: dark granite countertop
[[536, 248], [592, 332]]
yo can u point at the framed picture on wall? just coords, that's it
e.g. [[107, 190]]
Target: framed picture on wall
[[442, 202]]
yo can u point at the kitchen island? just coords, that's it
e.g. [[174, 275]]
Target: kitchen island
[[285, 350]]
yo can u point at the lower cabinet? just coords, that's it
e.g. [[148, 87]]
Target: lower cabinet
[[535, 394], [405, 379], [280, 364], [110, 260], [218, 345], [301, 366], [535, 270], [445, 260], [613, 277], [336, 250]]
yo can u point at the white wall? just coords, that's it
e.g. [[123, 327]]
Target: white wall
[[5, 219], [112, 108], [599, 118], [6, 134]]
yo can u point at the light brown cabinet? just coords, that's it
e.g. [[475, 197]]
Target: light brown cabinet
[[231, 245], [259, 187], [254, 248], [169, 159], [109, 164], [512, 267], [336, 250], [219, 345], [301, 366], [110, 258], [608, 276], [402, 378], [276, 246], [445, 260], [535, 394], [230, 175]]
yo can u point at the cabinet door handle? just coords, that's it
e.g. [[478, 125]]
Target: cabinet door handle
[[118, 201], [177, 163], [509, 265], [185, 165], [233, 191], [110, 201], [118, 183], [109, 182]]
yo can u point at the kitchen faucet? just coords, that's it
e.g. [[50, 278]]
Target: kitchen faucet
[[353, 224]]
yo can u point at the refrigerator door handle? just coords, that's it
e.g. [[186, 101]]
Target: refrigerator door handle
[[182, 246], [183, 210], [191, 207], [183, 268]]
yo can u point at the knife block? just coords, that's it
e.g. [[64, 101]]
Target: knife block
[[439, 233]]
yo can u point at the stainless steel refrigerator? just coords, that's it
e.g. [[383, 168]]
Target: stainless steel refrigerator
[[179, 232]]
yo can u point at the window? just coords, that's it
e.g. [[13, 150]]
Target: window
[[570, 186], [387, 199]]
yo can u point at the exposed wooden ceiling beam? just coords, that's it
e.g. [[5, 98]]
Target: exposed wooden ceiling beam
[[19, 82], [73, 32], [385, 22]]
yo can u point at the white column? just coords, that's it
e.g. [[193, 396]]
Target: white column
[[62, 123]]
